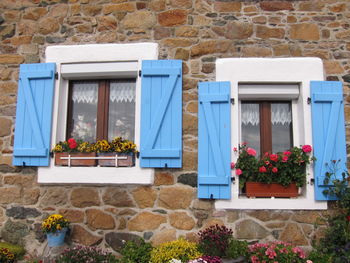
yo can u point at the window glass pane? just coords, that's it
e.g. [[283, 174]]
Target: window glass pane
[[84, 110], [281, 122], [121, 118], [250, 116]]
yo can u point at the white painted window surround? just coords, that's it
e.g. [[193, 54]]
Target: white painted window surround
[[95, 61], [255, 73]]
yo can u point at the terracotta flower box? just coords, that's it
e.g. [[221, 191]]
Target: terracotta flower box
[[75, 162], [254, 189], [123, 160]]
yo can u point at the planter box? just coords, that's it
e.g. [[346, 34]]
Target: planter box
[[75, 162], [254, 189], [123, 160]]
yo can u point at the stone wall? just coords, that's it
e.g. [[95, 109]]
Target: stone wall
[[197, 32]]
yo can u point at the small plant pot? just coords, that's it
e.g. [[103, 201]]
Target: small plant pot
[[254, 189], [107, 162], [75, 162], [126, 159], [56, 239]]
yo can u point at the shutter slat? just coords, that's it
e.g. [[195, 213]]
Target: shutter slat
[[328, 130], [34, 114], [214, 140], [161, 114]]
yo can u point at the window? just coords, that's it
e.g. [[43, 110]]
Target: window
[[101, 109], [85, 81], [270, 105]]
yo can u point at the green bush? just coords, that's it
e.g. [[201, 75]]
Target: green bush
[[17, 250], [237, 248], [136, 252], [83, 254], [317, 257], [179, 249]]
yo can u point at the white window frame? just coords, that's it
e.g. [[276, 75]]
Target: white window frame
[[279, 71], [77, 61]]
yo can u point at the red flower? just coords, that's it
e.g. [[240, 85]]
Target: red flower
[[267, 162], [251, 151], [348, 218], [232, 165], [274, 170], [235, 149], [306, 148], [274, 157], [238, 171], [285, 158], [287, 153], [262, 169], [71, 140], [72, 144]]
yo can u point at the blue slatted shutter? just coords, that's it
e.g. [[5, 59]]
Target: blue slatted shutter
[[34, 114], [328, 131], [214, 140], [161, 114]]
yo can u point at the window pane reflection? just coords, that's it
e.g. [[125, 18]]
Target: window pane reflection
[[281, 121], [250, 116]]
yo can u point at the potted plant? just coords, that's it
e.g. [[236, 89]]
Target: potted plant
[[55, 227], [275, 174], [105, 149], [74, 149], [125, 150]]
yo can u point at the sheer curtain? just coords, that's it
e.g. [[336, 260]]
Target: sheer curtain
[[280, 113]]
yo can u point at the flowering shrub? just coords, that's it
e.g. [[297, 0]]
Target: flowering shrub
[[123, 146], [71, 145], [6, 256], [180, 249], [206, 259], [53, 223], [283, 168], [84, 254], [214, 240], [136, 252], [276, 252]]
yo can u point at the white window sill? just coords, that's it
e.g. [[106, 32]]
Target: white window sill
[[94, 175]]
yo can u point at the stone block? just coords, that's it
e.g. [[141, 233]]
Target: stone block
[[304, 31], [73, 215], [267, 32], [10, 195], [157, 5], [84, 197], [54, 196], [34, 13], [210, 47], [20, 212], [5, 127], [11, 59], [188, 179], [173, 17], [186, 31], [165, 235], [239, 30], [117, 240], [145, 221], [82, 236], [163, 178], [48, 25], [333, 67], [182, 54], [105, 23], [97, 219], [177, 42], [182, 221], [181, 3], [249, 229], [117, 197], [293, 234], [91, 10], [276, 6], [139, 20], [227, 6], [176, 197], [144, 196]]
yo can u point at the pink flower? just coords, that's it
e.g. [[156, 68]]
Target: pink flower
[[262, 169], [251, 151], [287, 153], [274, 170], [238, 171], [285, 158], [235, 149], [267, 162], [274, 157], [309, 261], [306, 148], [232, 165]]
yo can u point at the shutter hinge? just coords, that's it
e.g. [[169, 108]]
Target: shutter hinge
[[140, 73], [232, 101], [233, 180], [51, 154], [138, 155], [56, 75], [312, 181], [308, 100], [211, 197]]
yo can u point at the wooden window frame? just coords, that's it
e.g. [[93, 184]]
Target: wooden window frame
[[266, 126]]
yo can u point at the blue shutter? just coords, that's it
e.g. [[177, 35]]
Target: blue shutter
[[328, 131], [161, 114], [34, 114], [214, 140]]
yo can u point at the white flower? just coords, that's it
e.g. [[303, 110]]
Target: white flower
[[174, 260]]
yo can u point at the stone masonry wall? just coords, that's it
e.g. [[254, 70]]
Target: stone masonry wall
[[197, 32]]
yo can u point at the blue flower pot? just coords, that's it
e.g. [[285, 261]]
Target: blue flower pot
[[56, 239]]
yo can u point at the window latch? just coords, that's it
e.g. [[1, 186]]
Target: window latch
[[233, 179], [56, 75], [232, 101], [312, 181], [308, 100], [140, 73]]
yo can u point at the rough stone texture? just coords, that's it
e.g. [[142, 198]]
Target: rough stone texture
[[20, 212], [165, 235], [163, 178], [54, 196], [184, 197], [139, 19], [72, 215], [172, 17], [145, 221], [99, 220], [5, 128], [82, 236], [117, 240], [14, 232], [249, 229], [117, 197], [276, 5], [84, 197], [209, 47], [181, 220], [304, 31], [188, 179], [144, 196], [292, 233], [10, 195]]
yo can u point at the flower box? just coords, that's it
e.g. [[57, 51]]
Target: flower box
[[75, 162], [123, 159], [254, 189]]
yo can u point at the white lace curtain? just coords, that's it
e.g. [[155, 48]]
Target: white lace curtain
[[280, 113], [120, 91]]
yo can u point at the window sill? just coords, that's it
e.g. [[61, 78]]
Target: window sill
[[94, 175]]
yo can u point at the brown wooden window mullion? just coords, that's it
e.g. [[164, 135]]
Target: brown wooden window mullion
[[102, 111], [265, 127], [70, 123]]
